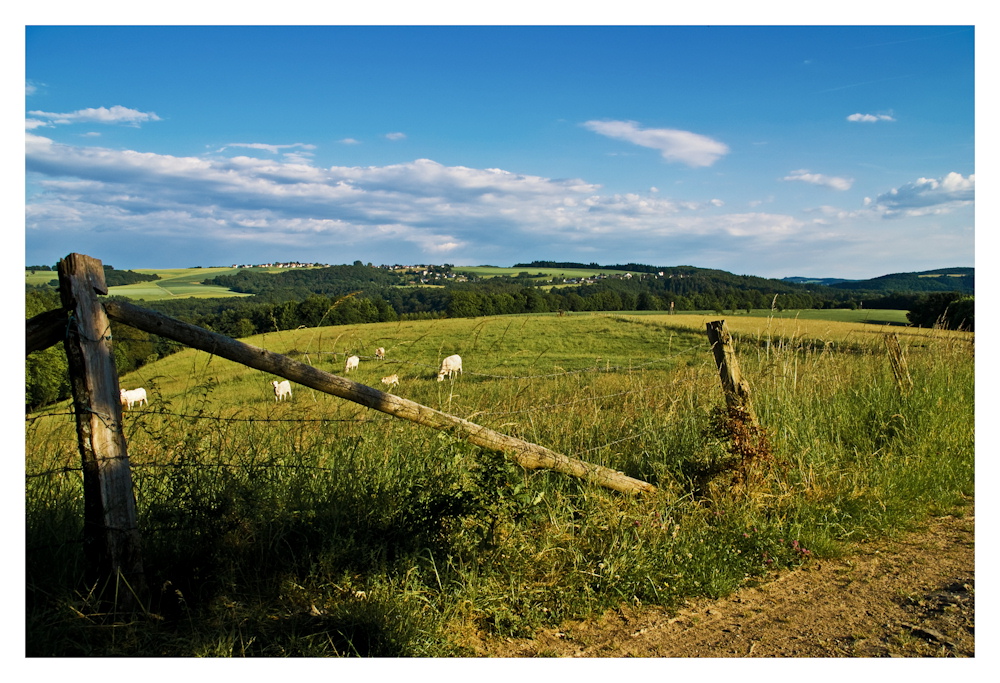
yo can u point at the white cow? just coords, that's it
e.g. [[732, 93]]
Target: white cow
[[390, 380], [380, 353], [352, 363], [449, 366], [129, 397], [282, 389]]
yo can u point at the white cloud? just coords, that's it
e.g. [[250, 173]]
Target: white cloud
[[431, 207], [395, 136], [349, 141], [273, 149], [832, 182], [926, 196], [870, 118], [674, 145], [155, 207], [116, 114]]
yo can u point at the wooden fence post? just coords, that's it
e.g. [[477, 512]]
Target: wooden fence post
[[746, 438], [736, 389], [110, 530]]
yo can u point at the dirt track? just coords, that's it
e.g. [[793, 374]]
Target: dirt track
[[911, 597]]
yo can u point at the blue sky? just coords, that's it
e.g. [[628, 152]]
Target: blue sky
[[776, 151]]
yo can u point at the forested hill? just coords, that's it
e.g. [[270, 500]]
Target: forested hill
[[941, 280]]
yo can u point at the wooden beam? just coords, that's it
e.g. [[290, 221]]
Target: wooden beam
[[524, 453], [45, 330]]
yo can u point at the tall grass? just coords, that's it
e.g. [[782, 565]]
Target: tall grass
[[317, 528]]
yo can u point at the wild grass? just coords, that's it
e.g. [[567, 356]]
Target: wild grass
[[316, 527]]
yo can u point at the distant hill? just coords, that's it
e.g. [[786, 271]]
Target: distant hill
[[941, 280]]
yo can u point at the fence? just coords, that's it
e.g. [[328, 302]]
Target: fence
[[111, 535]]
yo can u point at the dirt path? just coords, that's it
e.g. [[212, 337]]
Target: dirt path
[[911, 597]]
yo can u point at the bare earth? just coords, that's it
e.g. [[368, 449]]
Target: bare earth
[[909, 597]]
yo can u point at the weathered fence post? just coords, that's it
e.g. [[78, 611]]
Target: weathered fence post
[[745, 437], [110, 530], [736, 389]]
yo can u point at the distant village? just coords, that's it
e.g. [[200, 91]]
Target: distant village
[[432, 274], [286, 264]]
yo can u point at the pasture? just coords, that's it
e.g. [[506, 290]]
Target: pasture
[[316, 527]]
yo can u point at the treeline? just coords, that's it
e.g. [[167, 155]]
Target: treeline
[[117, 278], [299, 283]]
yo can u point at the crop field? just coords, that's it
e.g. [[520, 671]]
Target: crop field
[[317, 527]]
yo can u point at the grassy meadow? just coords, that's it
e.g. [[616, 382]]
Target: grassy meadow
[[316, 527]]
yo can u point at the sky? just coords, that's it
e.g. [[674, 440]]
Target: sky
[[801, 150]]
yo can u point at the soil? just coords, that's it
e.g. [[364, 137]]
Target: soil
[[912, 596]]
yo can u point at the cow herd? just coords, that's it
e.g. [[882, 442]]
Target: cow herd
[[450, 366]]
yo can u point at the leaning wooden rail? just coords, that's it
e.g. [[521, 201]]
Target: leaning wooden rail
[[45, 330], [524, 453]]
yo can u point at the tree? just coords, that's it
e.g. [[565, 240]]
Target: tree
[[46, 374], [464, 304], [949, 310]]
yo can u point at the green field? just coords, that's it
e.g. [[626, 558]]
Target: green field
[[173, 283], [176, 283], [39, 277], [317, 527]]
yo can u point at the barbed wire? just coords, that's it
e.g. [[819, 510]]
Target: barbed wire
[[32, 418], [133, 416], [57, 470], [54, 544], [251, 419], [607, 369]]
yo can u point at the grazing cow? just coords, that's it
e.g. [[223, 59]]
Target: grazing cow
[[129, 397], [380, 353], [449, 366], [390, 380], [351, 364], [282, 389]]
